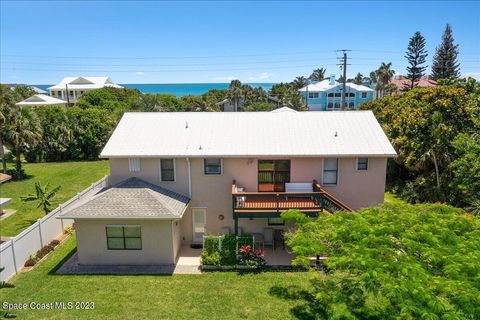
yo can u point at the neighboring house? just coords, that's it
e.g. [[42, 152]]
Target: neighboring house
[[178, 176], [70, 89], [228, 105], [326, 95], [401, 82], [40, 100]]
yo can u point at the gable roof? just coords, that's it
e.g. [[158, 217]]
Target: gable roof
[[248, 134], [84, 83], [40, 100], [132, 198], [325, 85]]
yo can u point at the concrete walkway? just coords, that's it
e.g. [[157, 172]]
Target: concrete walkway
[[188, 263]]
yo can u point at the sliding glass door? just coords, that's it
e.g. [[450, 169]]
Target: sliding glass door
[[272, 175]]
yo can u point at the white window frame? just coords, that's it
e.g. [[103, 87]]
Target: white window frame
[[134, 165], [313, 95], [368, 164], [364, 95], [212, 174], [323, 173], [174, 169]]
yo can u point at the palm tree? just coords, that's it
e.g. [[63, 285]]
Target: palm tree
[[384, 74], [318, 74], [259, 95], [235, 93], [358, 79], [247, 92], [43, 195], [300, 82], [24, 131]]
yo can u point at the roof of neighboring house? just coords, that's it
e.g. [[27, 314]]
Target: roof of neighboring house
[[132, 198], [401, 81], [40, 100], [4, 177], [325, 85], [84, 83], [248, 134], [36, 89]]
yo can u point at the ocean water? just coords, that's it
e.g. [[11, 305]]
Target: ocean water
[[178, 89]]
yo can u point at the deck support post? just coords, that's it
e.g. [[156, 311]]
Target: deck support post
[[235, 221]]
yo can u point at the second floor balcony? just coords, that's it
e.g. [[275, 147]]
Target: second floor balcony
[[309, 198]]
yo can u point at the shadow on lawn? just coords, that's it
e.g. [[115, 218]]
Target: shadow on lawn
[[307, 309], [61, 262]]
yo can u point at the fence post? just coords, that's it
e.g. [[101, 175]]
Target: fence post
[[40, 232], [13, 255], [61, 220]]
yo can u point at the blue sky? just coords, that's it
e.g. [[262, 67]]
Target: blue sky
[[172, 42]]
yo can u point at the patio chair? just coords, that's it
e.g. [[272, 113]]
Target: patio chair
[[268, 238]]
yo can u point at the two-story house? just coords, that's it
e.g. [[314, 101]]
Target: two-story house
[[70, 89], [175, 177], [326, 95]]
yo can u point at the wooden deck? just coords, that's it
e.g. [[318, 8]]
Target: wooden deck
[[269, 202]]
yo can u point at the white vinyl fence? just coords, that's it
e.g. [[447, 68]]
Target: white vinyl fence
[[16, 251]]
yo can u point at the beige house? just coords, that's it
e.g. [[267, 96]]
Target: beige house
[[176, 177]]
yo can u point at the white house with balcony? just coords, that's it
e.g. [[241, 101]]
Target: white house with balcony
[[70, 89], [326, 95]]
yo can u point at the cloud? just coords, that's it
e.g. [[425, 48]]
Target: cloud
[[262, 76], [228, 79], [140, 73]]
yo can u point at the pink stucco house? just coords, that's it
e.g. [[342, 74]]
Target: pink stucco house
[[175, 177]]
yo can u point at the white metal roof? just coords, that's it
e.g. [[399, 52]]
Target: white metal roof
[[248, 134], [325, 85], [84, 83], [40, 100]]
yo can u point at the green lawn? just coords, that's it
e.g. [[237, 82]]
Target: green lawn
[[393, 199], [72, 176], [216, 295]]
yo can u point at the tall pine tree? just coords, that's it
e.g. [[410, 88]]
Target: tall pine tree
[[445, 64], [416, 56]]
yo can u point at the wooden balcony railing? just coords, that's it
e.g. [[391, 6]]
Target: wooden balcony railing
[[269, 204]]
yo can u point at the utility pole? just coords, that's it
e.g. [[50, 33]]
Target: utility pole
[[66, 92], [343, 63]]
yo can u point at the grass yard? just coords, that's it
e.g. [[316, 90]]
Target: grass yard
[[72, 176], [219, 295]]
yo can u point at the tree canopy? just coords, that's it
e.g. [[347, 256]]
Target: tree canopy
[[423, 124], [445, 64], [416, 56], [391, 262]]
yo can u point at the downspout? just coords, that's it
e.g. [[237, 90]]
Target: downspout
[[189, 178]]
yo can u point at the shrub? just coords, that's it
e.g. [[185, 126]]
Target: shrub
[[252, 258], [32, 260], [68, 230], [210, 244], [54, 243], [17, 174], [228, 250], [211, 259]]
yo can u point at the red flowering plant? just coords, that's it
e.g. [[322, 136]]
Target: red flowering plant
[[252, 258]]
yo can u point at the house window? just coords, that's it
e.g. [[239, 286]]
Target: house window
[[352, 94], [134, 164], [330, 95], [351, 105], [313, 95], [364, 95], [330, 171], [124, 237], [167, 169], [276, 222], [338, 94], [71, 93], [53, 94], [337, 105], [330, 105], [362, 164], [212, 166], [59, 93]]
